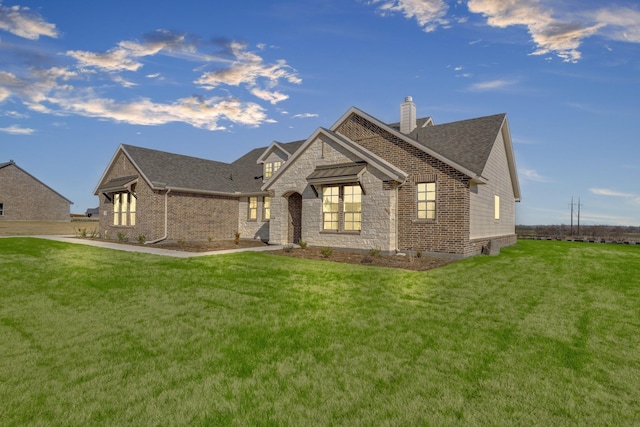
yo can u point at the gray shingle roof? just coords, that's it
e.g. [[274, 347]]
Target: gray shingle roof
[[178, 171], [466, 142], [165, 169]]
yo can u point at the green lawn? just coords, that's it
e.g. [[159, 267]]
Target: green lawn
[[547, 333]]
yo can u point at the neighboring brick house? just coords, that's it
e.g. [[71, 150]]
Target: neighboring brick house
[[361, 184], [23, 197]]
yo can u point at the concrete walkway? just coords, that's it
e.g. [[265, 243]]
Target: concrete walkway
[[150, 249]]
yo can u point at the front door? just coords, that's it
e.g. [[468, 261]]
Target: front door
[[295, 218]]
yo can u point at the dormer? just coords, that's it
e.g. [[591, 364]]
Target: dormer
[[272, 159]]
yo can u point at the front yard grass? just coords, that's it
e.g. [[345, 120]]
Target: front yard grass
[[547, 333]]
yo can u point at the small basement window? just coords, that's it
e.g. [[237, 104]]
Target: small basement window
[[1, 209]]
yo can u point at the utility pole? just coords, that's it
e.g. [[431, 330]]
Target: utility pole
[[579, 215], [571, 205]]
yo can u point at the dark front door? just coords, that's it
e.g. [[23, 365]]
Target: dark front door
[[295, 218]]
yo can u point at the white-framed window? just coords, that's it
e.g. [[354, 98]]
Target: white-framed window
[[124, 209], [252, 214], [352, 207], [270, 168], [496, 207], [330, 208], [266, 208], [426, 200], [342, 208]]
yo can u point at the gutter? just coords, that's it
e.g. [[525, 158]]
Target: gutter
[[195, 191], [166, 220]]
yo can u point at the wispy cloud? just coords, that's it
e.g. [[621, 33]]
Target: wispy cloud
[[22, 22], [532, 175], [492, 85], [609, 192], [621, 24], [17, 130], [635, 198], [304, 116]]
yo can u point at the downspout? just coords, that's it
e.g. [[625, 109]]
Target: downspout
[[397, 220], [166, 220], [397, 225]]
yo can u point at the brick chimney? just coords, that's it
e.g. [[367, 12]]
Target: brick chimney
[[407, 115]]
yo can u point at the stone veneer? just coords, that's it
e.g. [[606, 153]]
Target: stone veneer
[[378, 203]]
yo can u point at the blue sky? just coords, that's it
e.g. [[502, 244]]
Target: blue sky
[[216, 79]]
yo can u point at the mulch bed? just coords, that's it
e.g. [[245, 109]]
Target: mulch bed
[[392, 261], [405, 262]]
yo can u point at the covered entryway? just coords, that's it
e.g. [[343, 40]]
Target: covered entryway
[[295, 217]]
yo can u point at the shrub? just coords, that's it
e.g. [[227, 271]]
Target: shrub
[[93, 233], [326, 252], [302, 244], [122, 237], [82, 232], [419, 254], [142, 239], [236, 239], [375, 252]]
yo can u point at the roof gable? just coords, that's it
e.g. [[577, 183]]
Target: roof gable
[[249, 169], [162, 170], [275, 146], [353, 110], [12, 163], [365, 155]]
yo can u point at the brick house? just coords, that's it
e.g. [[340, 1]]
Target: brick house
[[360, 184], [23, 197]]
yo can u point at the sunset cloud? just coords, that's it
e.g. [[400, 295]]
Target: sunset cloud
[[22, 22], [195, 111], [70, 90], [126, 54], [554, 29], [250, 70], [549, 33], [430, 14]]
